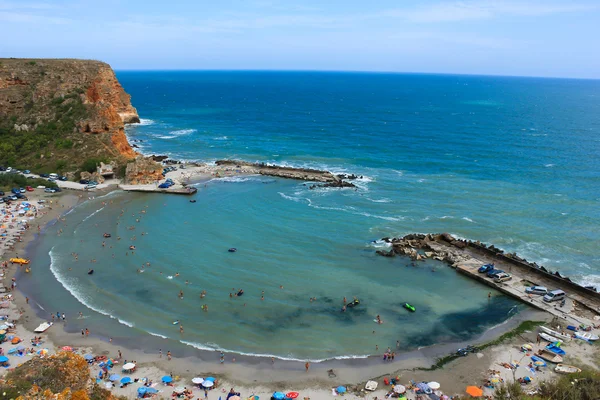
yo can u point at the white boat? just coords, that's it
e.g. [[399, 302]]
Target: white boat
[[43, 327], [548, 338], [549, 356], [556, 334], [586, 336], [566, 369]]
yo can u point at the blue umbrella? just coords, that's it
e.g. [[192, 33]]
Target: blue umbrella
[[3, 359], [167, 379], [88, 356], [142, 390], [151, 390], [341, 389], [278, 396], [115, 377], [210, 378], [126, 380]]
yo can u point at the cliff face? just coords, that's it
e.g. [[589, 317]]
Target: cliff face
[[57, 105]]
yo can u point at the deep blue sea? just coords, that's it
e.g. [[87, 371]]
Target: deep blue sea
[[509, 161]]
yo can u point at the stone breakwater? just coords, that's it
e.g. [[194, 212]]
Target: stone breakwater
[[306, 174], [467, 256]]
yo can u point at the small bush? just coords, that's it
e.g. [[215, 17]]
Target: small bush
[[90, 165]]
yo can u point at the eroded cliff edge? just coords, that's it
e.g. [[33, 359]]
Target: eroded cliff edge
[[62, 112]]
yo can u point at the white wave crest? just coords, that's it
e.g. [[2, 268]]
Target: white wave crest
[[158, 335], [468, 219], [71, 285], [549, 165], [92, 214], [144, 122], [215, 347], [183, 132], [221, 138]]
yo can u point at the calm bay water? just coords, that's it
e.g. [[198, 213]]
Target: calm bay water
[[509, 161]]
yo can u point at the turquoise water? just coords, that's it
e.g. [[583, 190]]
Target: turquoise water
[[510, 161]]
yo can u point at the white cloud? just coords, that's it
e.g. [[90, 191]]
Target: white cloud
[[477, 10]]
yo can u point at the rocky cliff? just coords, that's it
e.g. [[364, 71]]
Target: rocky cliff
[[58, 113]]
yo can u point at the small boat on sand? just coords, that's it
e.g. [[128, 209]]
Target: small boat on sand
[[548, 338], [43, 327], [566, 369], [556, 334], [549, 356], [556, 349], [586, 336]]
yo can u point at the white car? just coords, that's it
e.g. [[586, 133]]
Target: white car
[[539, 290], [502, 277]]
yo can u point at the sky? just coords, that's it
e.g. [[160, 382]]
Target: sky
[[546, 38]]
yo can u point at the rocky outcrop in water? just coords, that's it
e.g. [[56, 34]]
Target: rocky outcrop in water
[[305, 174]]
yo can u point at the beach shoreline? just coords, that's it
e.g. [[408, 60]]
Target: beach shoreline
[[252, 373]]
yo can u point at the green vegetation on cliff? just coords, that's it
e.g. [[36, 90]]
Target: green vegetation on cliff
[[56, 114]]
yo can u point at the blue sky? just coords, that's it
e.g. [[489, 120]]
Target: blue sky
[[512, 37]]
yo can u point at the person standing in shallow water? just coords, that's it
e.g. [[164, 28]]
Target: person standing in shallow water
[[307, 366]]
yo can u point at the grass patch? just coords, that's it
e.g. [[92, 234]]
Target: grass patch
[[9, 181], [525, 326]]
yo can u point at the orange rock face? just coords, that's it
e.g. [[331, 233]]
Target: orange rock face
[[113, 109]]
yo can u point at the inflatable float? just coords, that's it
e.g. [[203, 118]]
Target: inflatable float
[[21, 261], [232, 250], [353, 303], [409, 307], [106, 235]]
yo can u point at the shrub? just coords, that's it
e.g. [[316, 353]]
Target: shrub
[[91, 164]]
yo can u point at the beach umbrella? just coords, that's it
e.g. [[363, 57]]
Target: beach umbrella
[[128, 366], [4, 327], [88, 357], [434, 385], [179, 389], [114, 377], [340, 389], [197, 380], [3, 359], [142, 390], [235, 398], [278, 396], [210, 378], [67, 348], [151, 390], [474, 391], [42, 352], [126, 380], [399, 389], [167, 379], [291, 395], [208, 384]]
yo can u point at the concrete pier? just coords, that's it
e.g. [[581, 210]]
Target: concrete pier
[[582, 305]]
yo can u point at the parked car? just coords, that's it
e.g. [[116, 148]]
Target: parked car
[[84, 181], [57, 189], [29, 188], [494, 272], [539, 290], [44, 175], [93, 183], [21, 196], [90, 187], [51, 179], [27, 171], [13, 197], [555, 295], [49, 190], [502, 277], [1, 193], [485, 268], [164, 186], [15, 190], [8, 169], [62, 178], [2, 168], [22, 190]]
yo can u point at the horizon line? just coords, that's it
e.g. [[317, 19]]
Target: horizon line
[[348, 72]]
